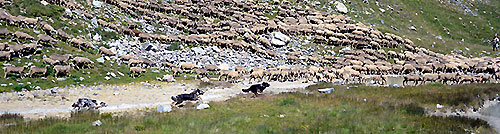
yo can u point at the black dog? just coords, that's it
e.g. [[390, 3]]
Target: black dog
[[257, 88], [193, 96]]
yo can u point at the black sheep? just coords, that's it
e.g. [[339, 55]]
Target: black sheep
[[257, 88]]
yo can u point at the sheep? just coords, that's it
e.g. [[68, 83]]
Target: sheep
[[257, 74], [63, 35], [134, 62], [61, 59], [136, 70], [61, 70], [13, 69], [413, 77], [4, 32], [187, 66], [43, 38], [445, 77], [230, 75], [201, 72], [409, 68], [241, 70], [82, 62], [22, 35], [176, 71], [49, 61], [106, 52], [5, 54], [212, 68], [429, 77], [38, 70], [126, 57]]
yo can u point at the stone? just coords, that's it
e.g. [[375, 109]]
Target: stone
[[61, 79], [381, 10], [97, 37], [412, 28], [81, 78], [3, 85], [205, 79], [168, 78], [97, 123], [97, 4], [439, 106], [202, 106], [341, 7], [277, 42], [162, 109], [326, 90], [100, 60], [120, 73], [281, 36], [107, 78], [44, 2]]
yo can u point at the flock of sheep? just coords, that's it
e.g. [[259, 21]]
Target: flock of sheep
[[243, 26]]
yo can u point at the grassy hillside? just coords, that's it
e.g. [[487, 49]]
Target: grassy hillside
[[353, 110], [440, 25]]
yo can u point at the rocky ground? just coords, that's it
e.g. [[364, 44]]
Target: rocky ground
[[131, 97]]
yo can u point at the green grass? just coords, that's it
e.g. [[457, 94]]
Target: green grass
[[387, 110]]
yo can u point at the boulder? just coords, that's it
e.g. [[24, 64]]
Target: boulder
[[168, 78], [97, 4], [97, 123], [281, 36], [202, 106], [162, 109], [341, 7], [326, 90], [277, 42], [100, 60]]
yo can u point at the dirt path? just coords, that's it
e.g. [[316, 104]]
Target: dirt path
[[120, 98]]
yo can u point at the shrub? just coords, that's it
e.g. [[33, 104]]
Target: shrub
[[139, 127]]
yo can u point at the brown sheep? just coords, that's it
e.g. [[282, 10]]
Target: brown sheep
[[134, 62], [49, 61], [409, 68], [61, 70], [126, 57], [22, 35], [106, 52], [241, 70], [257, 74], [445, 77], [176, 71], [136, 70], [413, 77], [200, 73], [212, 68], [167, 64], [5, 54], [38, 70], [61, 59], [13, 69], [187, 66], [430, 77], [82, 62]]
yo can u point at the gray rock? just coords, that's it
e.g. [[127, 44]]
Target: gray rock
[[326, 90], [97, 123], [341, 7], [61, 79], [100, 60], [281, 36], [412, 28], [202, 106], [162, 109], [120, 73], [107, 78], [3, 85], [277, 42], [97, 4]]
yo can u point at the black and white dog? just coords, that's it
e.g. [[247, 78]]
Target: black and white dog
[[85, 103], [257, 88], [193, 96]]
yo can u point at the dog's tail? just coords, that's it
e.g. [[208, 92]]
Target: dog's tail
[[245, 90]]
